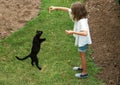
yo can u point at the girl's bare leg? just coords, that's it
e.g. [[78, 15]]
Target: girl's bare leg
[[83, 63]]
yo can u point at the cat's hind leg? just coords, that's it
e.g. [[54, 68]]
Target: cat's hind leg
[[37, 63], [32, 62]]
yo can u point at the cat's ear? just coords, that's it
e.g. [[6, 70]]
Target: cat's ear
[[37, 31]]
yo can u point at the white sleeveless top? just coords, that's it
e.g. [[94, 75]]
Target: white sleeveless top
[[80, 25]]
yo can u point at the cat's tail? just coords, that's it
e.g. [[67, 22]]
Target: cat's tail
[[22, 58]]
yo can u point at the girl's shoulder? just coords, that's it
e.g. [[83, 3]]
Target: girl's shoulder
[[83, 20]]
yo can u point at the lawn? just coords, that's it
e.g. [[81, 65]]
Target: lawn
[[57, 57]]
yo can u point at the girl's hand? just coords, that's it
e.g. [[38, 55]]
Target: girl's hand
[[69, 32], [51, 8]]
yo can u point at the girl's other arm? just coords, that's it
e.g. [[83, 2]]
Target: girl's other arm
[[83, 33]]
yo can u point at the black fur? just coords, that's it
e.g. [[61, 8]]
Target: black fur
[[36, 44]]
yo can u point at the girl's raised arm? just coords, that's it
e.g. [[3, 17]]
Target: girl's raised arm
[[51, 8]]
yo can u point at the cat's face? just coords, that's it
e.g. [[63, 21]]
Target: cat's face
[[39, 33]]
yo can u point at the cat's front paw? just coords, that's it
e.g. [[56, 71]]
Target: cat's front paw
[[44, 39], [40, 68]]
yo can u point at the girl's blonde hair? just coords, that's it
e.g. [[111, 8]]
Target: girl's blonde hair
[[78, 11]]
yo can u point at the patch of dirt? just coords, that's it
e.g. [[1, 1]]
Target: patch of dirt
[[14, 14], [104, 20]]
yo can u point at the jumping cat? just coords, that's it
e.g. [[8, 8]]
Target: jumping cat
[[36, 45]]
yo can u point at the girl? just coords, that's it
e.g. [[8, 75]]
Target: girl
[[81, 32]]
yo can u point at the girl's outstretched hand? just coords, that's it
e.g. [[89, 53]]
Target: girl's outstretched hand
[[51, 8]]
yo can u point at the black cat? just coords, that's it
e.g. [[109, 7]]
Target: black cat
[[36, 44]]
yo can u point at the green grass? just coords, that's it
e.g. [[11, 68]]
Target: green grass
[[57, 57]]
